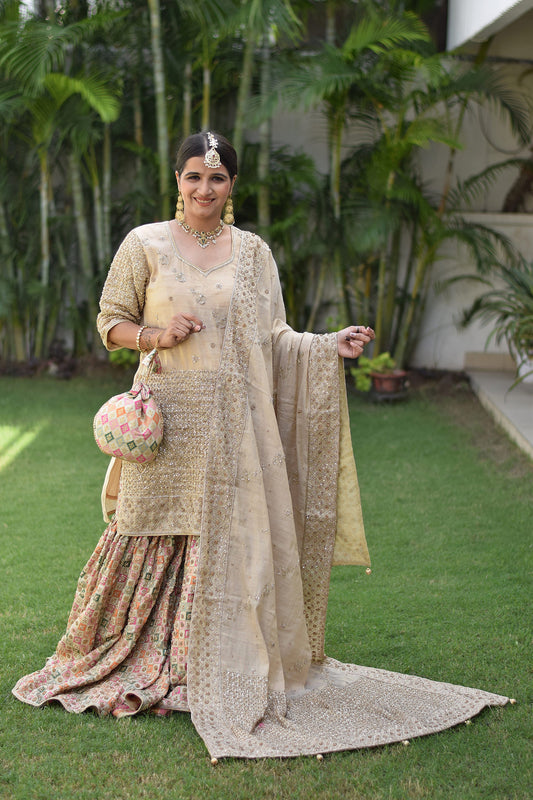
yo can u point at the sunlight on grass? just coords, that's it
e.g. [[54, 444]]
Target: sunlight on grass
[[13, 440]]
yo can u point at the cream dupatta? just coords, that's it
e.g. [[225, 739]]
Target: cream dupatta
[[279, 485]]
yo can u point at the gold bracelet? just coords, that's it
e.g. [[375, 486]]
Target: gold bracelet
[[138, 339]]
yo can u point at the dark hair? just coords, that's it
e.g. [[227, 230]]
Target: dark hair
[[197, 145]]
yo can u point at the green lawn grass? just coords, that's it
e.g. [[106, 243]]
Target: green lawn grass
[[449, 515]]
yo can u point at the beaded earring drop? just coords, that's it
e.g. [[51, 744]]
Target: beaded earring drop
[[228, 217], [180, 214]]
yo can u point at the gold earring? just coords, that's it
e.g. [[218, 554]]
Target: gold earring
[[229, 219], [180, 215]]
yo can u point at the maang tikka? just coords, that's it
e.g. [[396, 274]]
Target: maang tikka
[[212, 157]]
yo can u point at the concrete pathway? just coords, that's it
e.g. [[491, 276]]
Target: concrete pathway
[[513, 410]]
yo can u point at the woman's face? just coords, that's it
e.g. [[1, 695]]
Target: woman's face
[[204, 191]]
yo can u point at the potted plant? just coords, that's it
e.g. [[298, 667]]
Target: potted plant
[[380, 375], [511, 309]]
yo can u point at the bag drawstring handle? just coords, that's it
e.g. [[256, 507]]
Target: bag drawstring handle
[[149, 361], [142, 390]]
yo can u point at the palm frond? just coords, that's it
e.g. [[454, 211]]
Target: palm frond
[[32, 51], [488, 247], [258, 18], [11, 103], [94, 90], [467, 191], [508, 307], [414, 201], [423, 131], [209, 14], [381, 33], [317, 78], [484, 84], [368, 228], [43, 110]]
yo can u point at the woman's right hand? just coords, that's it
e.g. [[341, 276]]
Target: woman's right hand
[[178, 330]]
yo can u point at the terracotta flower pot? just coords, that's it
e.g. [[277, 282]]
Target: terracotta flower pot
[[389, 382]]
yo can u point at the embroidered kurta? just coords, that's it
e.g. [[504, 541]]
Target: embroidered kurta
[[257, 467]]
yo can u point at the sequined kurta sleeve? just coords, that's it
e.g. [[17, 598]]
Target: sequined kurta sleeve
[[124, 291]]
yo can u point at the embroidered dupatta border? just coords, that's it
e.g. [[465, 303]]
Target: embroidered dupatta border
[[321, 506]]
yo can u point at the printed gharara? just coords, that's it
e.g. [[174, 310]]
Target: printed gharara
[[208, 591]]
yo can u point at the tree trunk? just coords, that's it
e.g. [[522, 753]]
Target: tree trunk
[[139, 141], [402, 304], [515, 199], [392, 289], [15, 344], [382, 281], [187, 99], [161, 108], [319, 291], [106, 181], [98, 212], [84, 246], [244, 92], [425, 259], [337, 123], [206, 95], [55, 305], [45, 254], [263, 165], [331, 32]]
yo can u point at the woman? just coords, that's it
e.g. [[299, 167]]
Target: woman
[[207, 593]]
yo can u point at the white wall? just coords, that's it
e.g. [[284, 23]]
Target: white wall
[[486, 139], [442, 345], [476, 20]]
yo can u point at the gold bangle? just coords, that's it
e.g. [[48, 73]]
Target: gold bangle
[[138, 338]]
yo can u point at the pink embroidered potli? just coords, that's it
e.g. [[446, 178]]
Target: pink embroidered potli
[[130, 425]]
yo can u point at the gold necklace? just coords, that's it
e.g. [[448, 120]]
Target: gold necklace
[[204, 238]]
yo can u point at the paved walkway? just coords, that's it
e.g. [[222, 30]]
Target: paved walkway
[[513, 410]]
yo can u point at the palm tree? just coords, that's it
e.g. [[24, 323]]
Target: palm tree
[[387, 81], [261, 21], [160, 106], [208, 24], [32, 53], [346, 80], [386, 202], [457, 88], [12, 215], [297, 233]]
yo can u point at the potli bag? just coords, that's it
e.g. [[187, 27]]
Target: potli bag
[[130, 425]]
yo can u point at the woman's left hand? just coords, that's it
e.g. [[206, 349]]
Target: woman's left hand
[[351, 341]]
